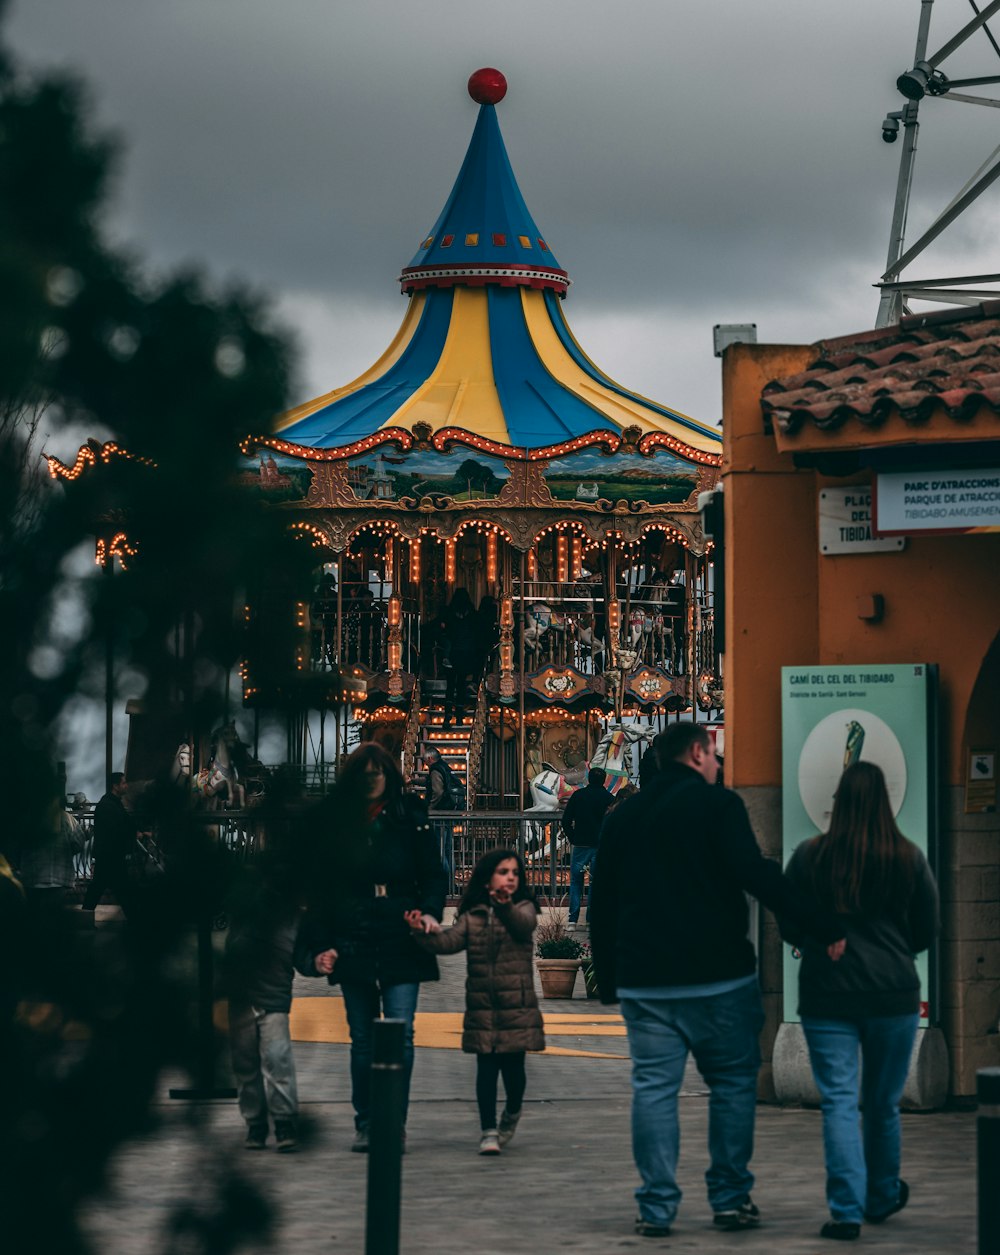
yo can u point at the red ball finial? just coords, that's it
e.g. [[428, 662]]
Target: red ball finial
[[487, 86]]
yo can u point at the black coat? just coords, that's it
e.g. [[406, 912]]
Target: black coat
[[876, 975], [114, 830], [585, 813], [667, 905], [368, 875]]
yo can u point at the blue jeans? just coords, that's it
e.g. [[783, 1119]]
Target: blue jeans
[[362, 1002], [721, 1031], [581, 860], [262, 1063], [862, 1169]]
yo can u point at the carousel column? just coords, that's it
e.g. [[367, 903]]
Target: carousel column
[[506, 648], [693, 615], [613, 620], [394, 643], [520, 663]]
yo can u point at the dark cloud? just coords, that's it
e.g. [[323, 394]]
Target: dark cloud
[[690, 163]]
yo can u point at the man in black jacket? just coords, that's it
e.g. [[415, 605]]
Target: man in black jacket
[[581, 822], [669, 927], [114, 842]]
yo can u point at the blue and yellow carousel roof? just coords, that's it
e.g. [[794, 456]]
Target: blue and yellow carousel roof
[[484, 345]]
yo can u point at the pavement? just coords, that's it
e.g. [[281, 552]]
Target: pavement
[[565, 1182]]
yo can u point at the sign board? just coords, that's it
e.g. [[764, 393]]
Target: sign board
[[981, 781], [845, 522], [907, 502], [835, 715]]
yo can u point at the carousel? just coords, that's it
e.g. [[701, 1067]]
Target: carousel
[[510, 560]]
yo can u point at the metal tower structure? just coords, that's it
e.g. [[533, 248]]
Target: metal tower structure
[[926, 79]]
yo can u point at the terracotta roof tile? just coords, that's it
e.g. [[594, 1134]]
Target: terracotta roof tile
[[950, 358]]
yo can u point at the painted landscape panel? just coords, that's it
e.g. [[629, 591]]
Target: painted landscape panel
[[592, 476], [463, 474], [275, 477]]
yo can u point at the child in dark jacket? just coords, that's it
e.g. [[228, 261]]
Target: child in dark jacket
[[495, 922], [260, 951]]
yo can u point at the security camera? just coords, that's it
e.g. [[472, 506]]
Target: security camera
[[890, 129]]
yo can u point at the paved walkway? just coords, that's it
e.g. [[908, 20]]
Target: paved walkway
[[564, 1183]]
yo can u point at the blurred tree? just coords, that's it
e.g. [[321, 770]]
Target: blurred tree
[[175, 370]]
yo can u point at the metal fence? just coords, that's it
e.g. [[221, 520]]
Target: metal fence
[[463, 839], [535, 835]]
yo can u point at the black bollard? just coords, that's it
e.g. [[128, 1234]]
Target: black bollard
[[988, 1154], [385, 1139]]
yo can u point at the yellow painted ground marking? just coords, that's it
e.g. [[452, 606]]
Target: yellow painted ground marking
[[323, 1020]]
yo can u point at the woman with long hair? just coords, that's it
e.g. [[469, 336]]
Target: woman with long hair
[[377, 863], [495, 922], [867, 1003]]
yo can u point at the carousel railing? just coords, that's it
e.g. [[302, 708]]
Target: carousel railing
[[363, 639], [537, 836], [411, 735], [463, 837]]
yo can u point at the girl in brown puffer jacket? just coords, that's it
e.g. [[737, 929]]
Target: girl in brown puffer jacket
[[495, 921]]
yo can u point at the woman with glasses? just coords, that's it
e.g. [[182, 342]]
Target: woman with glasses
[[863, 1008], [377, 861]]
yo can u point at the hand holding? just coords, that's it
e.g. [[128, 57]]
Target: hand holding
[[429, 924], [325, 962], [415, 920]]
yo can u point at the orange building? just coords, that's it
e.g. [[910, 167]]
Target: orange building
[[803, 421]]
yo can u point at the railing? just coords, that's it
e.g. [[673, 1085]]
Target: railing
[[535, 835], [475, 760], [564, 624], [463, 837], [411, 735]]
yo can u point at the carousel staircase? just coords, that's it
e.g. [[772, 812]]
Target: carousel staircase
[[453, 743]]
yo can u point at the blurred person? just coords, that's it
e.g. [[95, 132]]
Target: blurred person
[[882, 891], [114, 845], [263, 933], [377, 860], [462, 659], [47, 866]]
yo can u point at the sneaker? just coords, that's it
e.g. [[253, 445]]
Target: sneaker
[[256, 1138], [508, 1126], [650, 1229], [746, 1216], [841, 1231], [882, 1217], [360, 1143], [489, 1143], [285, 1135]]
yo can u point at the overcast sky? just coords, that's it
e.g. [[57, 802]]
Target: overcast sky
[[691, 162]]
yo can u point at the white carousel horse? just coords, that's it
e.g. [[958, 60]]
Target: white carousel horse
[[180, 767], [219, 782], [543, 624], [550, 789]]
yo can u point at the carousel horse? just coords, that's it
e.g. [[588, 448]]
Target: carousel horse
[[550, 789], [219, 782]]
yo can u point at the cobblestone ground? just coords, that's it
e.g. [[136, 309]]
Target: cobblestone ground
[[565, 1182]]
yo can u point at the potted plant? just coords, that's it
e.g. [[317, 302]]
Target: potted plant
[[589, 974], [558, 958]]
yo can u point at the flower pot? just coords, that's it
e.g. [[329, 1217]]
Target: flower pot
[[558, 977]]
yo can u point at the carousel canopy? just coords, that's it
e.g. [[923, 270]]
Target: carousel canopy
[[484, 345]]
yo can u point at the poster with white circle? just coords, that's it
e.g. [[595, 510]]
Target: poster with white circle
[[836, 715], [847, 736]]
